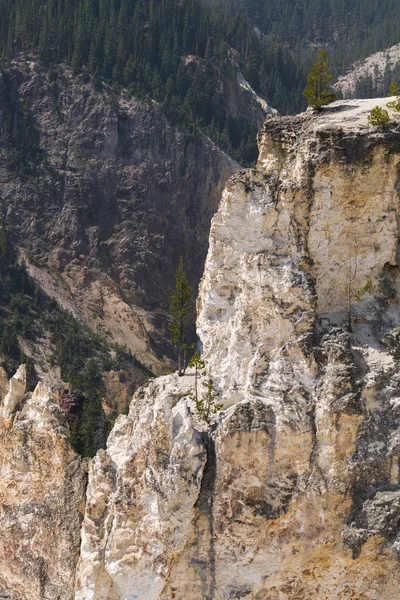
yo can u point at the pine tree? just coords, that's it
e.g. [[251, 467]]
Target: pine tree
[[379, 117], [180, 308], [318, 89], [206, 406], [199, 365], [88, 430]]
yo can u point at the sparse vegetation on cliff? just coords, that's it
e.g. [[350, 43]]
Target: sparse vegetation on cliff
[[28, 315], [394, 90], [379, 117], [206, 405], [198, 364], [395, 104]]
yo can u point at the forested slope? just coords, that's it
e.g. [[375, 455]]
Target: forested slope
[[31, 320], [352, 30], [182, 54], [185, 54], [99, 198]]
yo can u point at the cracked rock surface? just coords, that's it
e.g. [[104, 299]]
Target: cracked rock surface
[[293, 492], [42, 498], [118, 196]]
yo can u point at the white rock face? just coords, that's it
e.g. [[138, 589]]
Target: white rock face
[[142, 494], [375, 67], [301, 246], [290, 238], [16, 389], [293, 492], [255, 294]]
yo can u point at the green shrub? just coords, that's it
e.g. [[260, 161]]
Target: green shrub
[[394, 104], [379, 117], [394, 89]]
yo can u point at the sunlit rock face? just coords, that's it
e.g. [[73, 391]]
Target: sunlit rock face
[[42, 495], [298, 316], [292, 492], [318, 216], [143, 497]]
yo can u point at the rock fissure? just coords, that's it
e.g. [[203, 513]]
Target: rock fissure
[[205, 504]]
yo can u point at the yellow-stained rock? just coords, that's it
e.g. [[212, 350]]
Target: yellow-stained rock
[[42, 487], [293, 491]]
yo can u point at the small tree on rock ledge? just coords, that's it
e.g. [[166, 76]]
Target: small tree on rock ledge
[[199, 365], [318, 89], [379, 117], [207, 406]]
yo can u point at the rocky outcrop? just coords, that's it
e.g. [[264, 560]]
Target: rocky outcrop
[[375, 72], [292, 492], [293, 317], [316, 224], [16, 389], [142, 496], [42, 496], [116, 195]]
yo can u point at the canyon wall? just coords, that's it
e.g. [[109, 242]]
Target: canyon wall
[[292, 491], [103, 195]]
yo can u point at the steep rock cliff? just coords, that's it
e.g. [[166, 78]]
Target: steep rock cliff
[[103, 195], [376, 72], [294, 492]]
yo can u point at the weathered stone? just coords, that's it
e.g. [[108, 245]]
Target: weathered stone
[[290, 504], [42, 488], [142, 496], [292, 492], [99, 220], [16, 390]]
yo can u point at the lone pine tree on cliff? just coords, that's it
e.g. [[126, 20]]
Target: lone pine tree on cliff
[[180, 308], [318, 88]]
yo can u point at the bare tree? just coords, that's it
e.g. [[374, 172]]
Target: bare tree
[[351, 278]]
